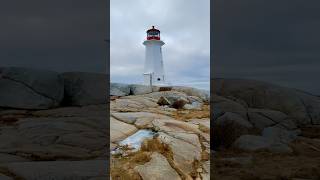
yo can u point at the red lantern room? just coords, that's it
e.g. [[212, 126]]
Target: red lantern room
[[153, 34]]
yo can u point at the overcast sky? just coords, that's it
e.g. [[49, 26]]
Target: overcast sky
[[275, 40], [271, 40], [59, 35], [185, 28]]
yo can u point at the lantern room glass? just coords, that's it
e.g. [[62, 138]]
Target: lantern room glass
[[153, 35]]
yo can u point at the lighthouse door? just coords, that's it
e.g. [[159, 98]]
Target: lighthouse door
[[148, 78]]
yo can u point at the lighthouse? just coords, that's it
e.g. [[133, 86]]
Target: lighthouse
[[153, 67]]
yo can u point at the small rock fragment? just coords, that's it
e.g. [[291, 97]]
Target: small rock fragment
[[163, 101]]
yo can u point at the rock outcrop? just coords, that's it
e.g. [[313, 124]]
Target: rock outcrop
[[301, 107], [252, 115], [52, 125], [85, 88], [157, 168], [181, 145], [74, 137], [24, 88], [119, 89]]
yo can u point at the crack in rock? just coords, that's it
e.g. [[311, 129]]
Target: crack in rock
[[30, 87]]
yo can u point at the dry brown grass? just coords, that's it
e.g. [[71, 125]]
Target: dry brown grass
[[204, 129], [123, 167], [303, 163], [195, 165], [154, 145], [205, 156], [120, 173], [193, 114]]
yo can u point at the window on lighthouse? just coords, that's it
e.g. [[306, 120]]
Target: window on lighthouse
[[153, 35], [159, 79]]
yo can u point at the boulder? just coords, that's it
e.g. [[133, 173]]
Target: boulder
[[193, 106], [157, 168], [312, 108], [179, 103], [222, 105], [54, 137], [235, 118], [193, 99], [184, 153], [288, 124], [145, 101], [170, 95], [120, 130], [204, 124], [262, 118], [24, 88], [143, 123], [118, 89], [255, 143], [126, 105], [300, 106], [278, 134], [82, 88], [137, 89], [187, 137], [173, 99], [163, 101], [172, 125], [203, 94], [252, 142], [260, 121], [275, 116], [228, 127]]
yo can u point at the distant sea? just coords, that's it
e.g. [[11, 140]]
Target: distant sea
[[205, 85]]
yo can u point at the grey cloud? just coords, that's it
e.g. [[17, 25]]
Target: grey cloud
[[275, 41], [61, 35]]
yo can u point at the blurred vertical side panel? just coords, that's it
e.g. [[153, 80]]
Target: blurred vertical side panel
[[265, 90], [54, 78]]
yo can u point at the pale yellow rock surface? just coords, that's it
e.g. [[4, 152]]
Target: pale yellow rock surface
[[120, 130], [157, 168]]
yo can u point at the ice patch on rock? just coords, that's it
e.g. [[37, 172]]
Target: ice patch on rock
[[134, 141]]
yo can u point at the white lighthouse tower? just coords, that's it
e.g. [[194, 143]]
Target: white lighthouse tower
[[153, 67]]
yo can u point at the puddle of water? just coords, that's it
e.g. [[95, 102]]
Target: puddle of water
[[134, 141]]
